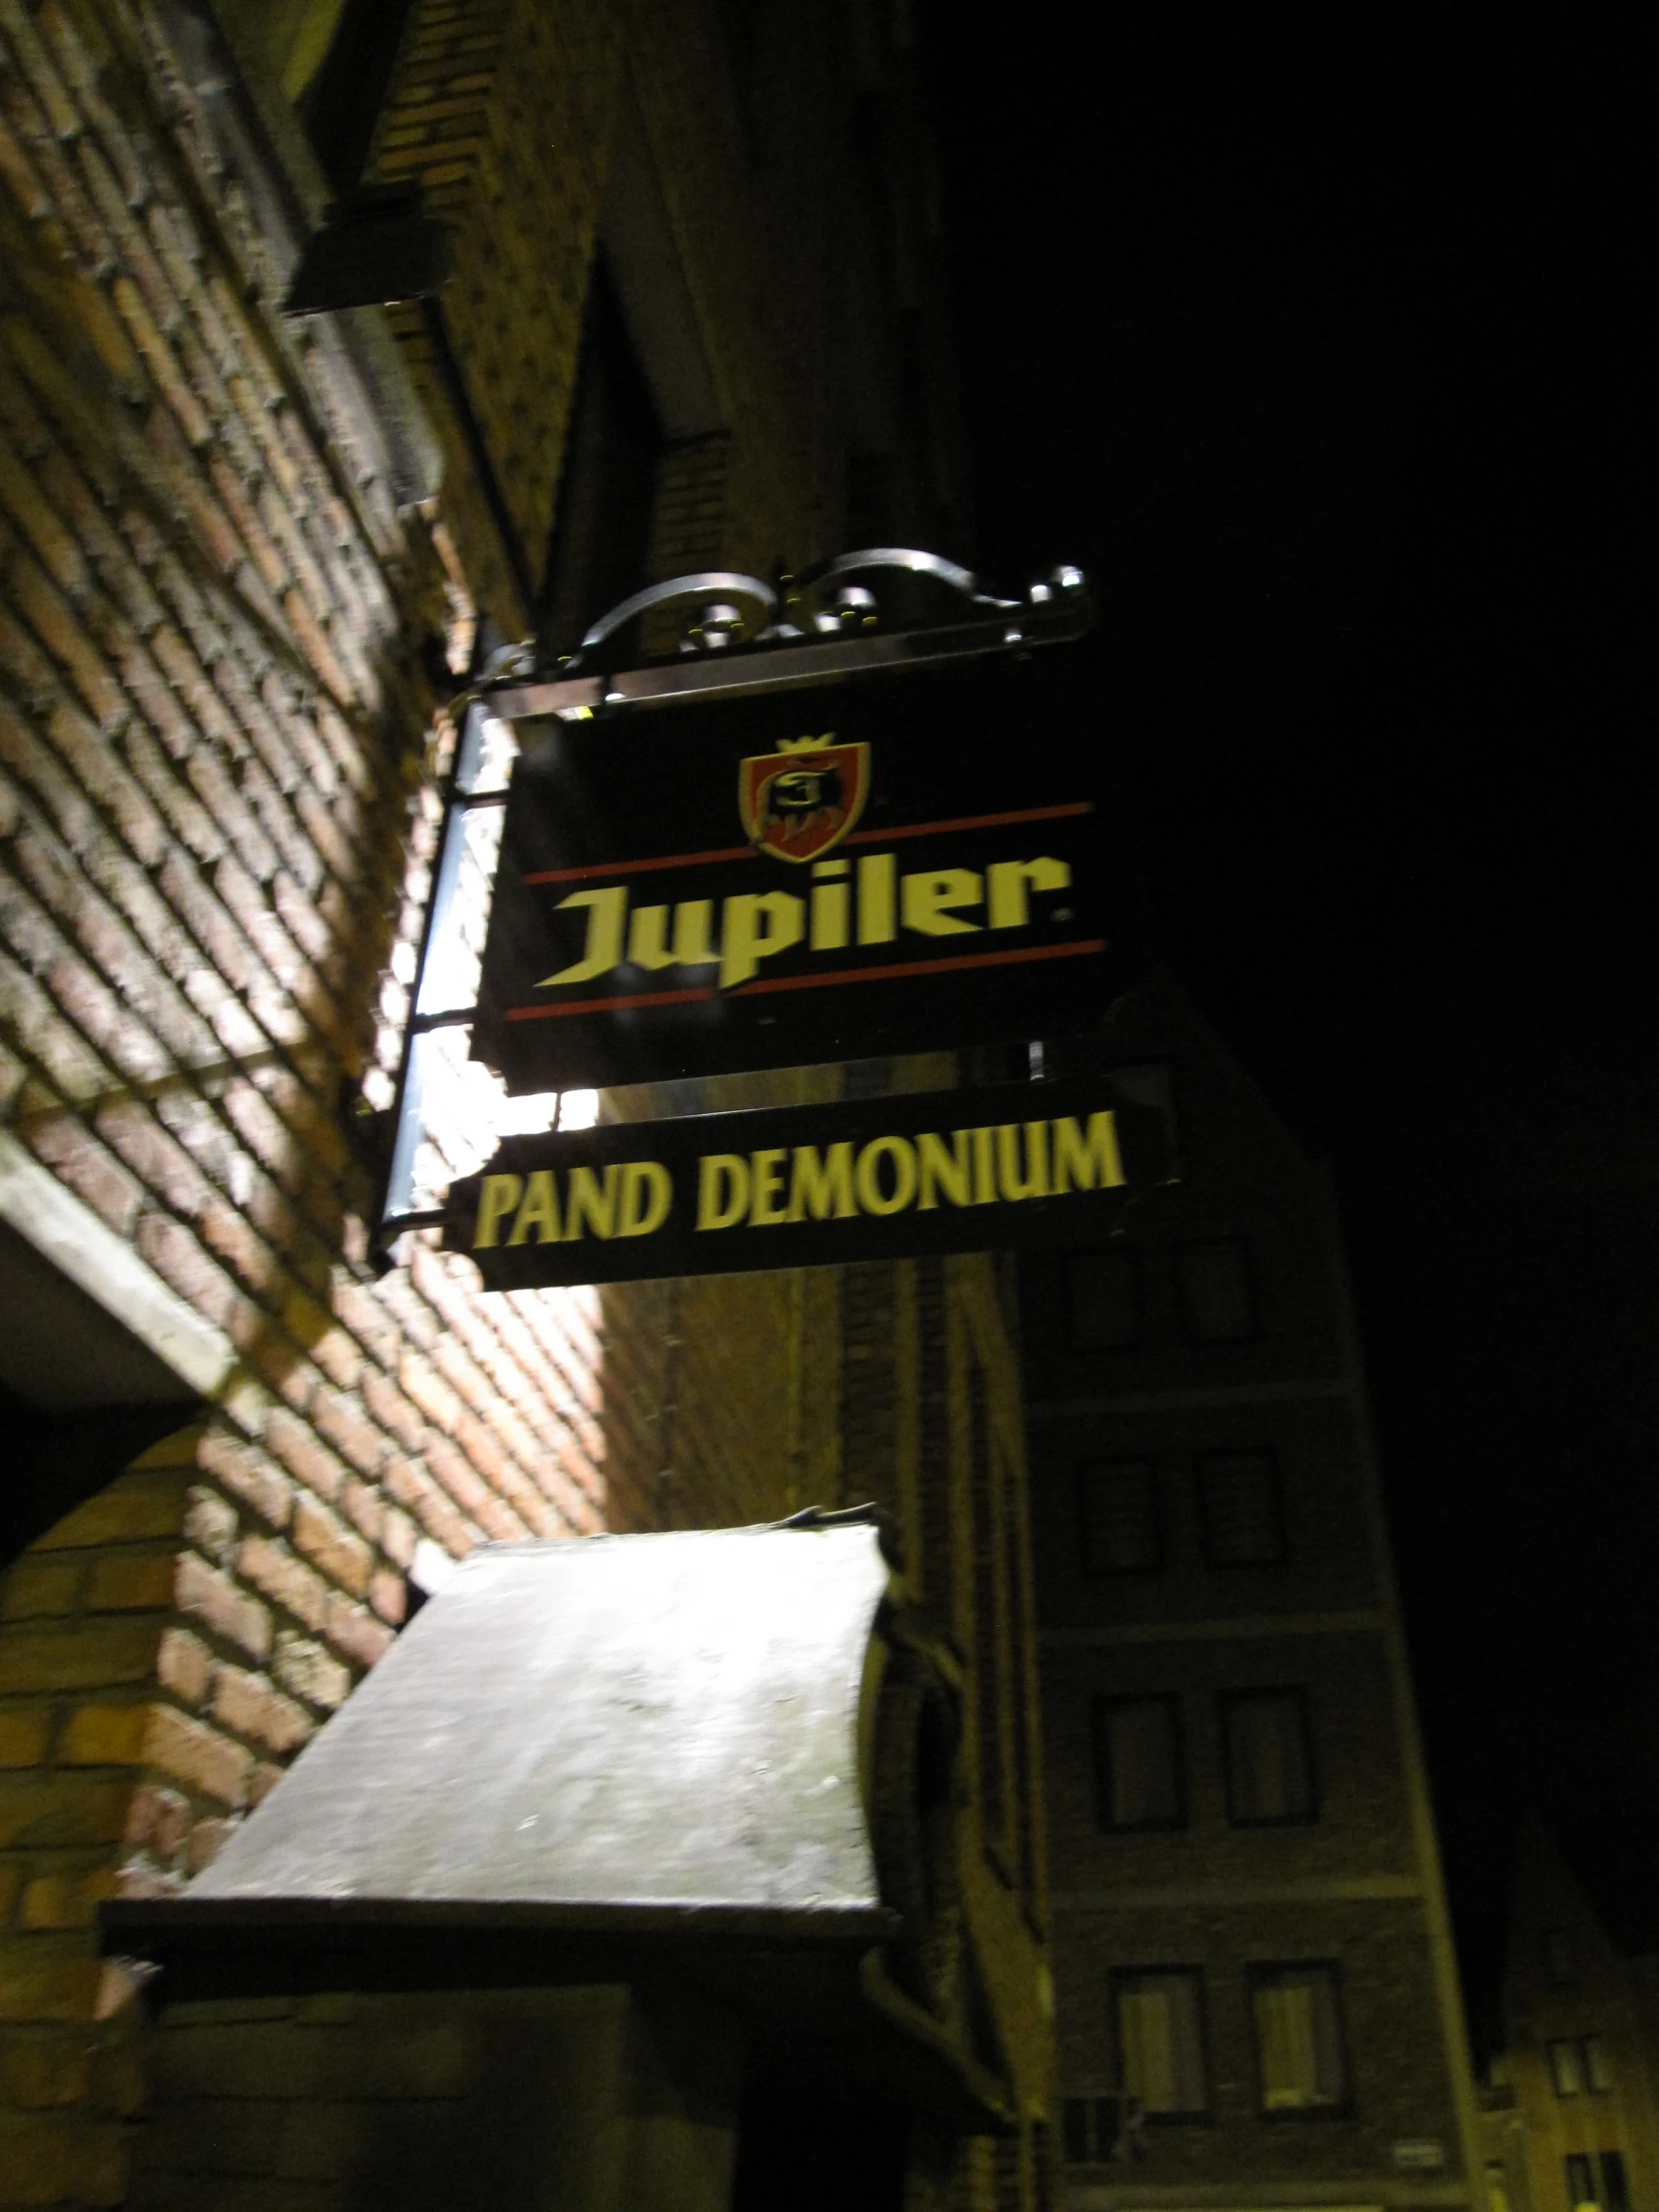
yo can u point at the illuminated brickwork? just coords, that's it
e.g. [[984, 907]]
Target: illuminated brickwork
[[226, 589]]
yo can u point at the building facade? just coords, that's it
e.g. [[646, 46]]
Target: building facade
[[249, 557], [1256, 1991], [1570, 2106]]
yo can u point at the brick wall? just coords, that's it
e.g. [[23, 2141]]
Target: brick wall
[[218, 820]]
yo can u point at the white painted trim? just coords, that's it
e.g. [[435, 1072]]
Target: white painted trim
[[71, 1236]]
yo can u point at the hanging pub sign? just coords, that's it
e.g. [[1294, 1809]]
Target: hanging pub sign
[[885, 863], [1011, 1165]]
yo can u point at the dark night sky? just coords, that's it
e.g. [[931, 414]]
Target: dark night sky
[[1316, 342]]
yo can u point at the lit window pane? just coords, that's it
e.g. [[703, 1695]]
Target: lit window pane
[[1596, 2075], [1299, 2038], [1269, 1771], [1567, 2069], [1161, 2041], [1581, 2188]]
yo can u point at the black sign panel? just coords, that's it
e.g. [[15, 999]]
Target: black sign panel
[[894, 863], [802, 1186]]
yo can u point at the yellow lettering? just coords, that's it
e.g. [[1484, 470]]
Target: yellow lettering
[[950, 1172], [766, 1188], [818, 1186], [984, 1167], [722, 1189], [499, 1196], [647, 1193], [586, 1202], [755, 926], [539, 1212], [926, 898], [1091, 1162], [607, 910], [647, 930], [1006, 882], [832, 916], [868, 1174], [877, 872], [692, 920], [1034, 1182]]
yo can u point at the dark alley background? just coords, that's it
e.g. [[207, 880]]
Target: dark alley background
[[1316, 342]]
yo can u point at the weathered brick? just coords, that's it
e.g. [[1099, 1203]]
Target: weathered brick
[[45, 1985], [353, 1630], [433, 1396], [24, 1732], [304, 1453], [36, 1586], [185, 1666], [157, 1821], [246, 1471], [103, 1736], [125, 1581], [230, 1612], [327, 1541], [307, 1671], [388, 1595], [389, 1406], [249, 1704], [347, 1428], [197, 1754], [271, 1567], [47, 1812], [82, 1655], [60, 1900]]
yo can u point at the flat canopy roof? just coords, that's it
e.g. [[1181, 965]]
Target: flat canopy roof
[[609, 1733]]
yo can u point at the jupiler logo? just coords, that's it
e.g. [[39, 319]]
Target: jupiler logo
[[798, 801]]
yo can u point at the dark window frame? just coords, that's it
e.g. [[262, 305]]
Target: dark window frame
[[1190, 1329], [1256, 1973], [1119, 1980], [1204, 1461], [1082, 1469], [1136, 1339], [1228, 1702], [1099, 1709]]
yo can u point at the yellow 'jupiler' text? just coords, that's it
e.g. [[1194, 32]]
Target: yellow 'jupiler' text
[[998, 1165]]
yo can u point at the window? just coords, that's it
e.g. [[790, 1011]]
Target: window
[[1218, 1304], [1160, 2028], [1616, 2190], [1578, 2063], [1137, 1763], [1238, 1508], [1102, 1301], [1270, 1764], [1117, 1510], [1567, 2069], [1300, 2059], [1581, 2181], [1092, 2130], [597, 550]]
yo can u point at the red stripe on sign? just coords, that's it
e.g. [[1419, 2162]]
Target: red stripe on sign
[[861, 836], [642, 867], [609, 1005], [972, 822], [921, 967]]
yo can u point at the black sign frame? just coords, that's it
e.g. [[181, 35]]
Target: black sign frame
[[1002, 1167]]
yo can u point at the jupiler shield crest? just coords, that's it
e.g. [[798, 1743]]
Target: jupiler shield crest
[[799, 800]]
